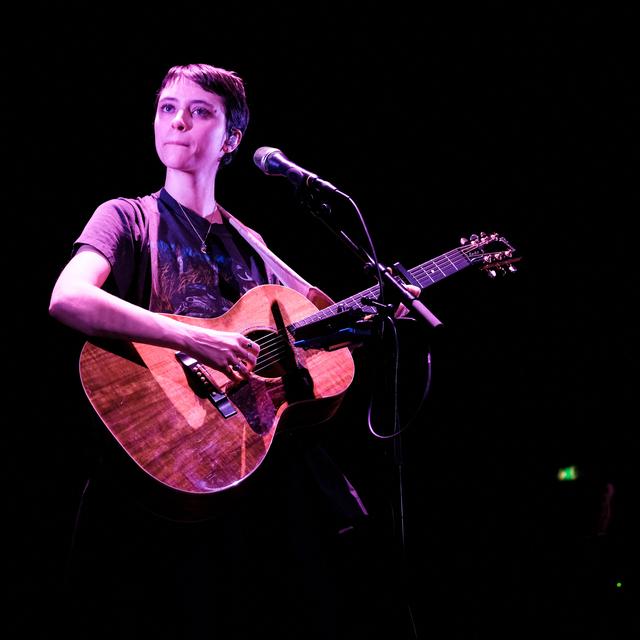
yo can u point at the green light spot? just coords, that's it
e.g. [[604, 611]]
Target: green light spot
[[568, 473], [619, 585]]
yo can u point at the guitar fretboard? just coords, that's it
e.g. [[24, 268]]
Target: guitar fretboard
[[425, 274]]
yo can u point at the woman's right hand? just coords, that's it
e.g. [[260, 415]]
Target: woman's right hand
[[232, 353]]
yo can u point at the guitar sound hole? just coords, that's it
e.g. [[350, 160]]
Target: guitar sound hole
[[272, 348]]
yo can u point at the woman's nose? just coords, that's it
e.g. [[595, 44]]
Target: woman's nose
[[180, 122]]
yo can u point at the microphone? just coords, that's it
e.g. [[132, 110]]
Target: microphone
[[274, 163]]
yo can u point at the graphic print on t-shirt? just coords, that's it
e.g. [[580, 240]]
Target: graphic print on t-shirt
[[193, 283]]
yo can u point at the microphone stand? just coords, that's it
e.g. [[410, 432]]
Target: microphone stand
[[322, 210], [310, 199]]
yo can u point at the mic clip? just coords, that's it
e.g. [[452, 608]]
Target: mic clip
[[388, 308], [347, 336], [340, 330]]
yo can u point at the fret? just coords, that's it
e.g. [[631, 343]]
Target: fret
[[433, 271]]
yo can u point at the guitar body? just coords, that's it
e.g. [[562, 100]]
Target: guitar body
[[160, 416]]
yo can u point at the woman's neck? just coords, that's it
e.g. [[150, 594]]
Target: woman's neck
[[197, 195]]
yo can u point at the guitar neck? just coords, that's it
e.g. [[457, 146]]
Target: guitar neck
[[425, 275]]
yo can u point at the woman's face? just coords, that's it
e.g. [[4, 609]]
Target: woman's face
[[190, 128]]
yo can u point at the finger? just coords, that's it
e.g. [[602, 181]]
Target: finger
[[252, 351], [401, 311], [237, 371], [251, 345], [245, 350], [248, 358]]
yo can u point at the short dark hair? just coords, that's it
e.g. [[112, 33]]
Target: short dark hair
[[227, 84]]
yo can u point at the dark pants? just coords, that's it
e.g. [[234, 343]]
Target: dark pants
[[269, 565]]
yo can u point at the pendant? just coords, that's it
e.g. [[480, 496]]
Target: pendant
[[203, 248]]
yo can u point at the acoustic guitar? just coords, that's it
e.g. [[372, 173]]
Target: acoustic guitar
[[194, 430]]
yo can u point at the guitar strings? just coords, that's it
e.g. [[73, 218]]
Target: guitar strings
[[267, 364], [270, 356], [266, 342], [272, 347]]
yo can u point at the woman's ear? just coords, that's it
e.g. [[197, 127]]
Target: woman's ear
[[233, 141]]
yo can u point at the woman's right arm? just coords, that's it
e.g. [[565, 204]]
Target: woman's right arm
[[79, 301]]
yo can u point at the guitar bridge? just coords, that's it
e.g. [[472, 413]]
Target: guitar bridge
[[198, 375]]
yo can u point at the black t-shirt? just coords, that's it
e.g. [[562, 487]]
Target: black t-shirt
[[200, 284]]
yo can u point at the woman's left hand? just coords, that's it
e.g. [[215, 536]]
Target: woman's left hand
[[402, 311]]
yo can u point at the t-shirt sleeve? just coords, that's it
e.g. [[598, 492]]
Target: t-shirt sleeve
[[116, 229]]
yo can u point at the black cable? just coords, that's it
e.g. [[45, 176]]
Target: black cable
[[396, 368]]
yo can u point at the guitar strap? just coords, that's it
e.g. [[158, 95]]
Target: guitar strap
[[274, 265]]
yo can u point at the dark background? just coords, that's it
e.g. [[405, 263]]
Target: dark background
[[439, 124]]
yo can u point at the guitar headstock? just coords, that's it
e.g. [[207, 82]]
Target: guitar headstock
[[492, 251]]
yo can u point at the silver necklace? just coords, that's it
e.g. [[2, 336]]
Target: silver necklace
[[203, 241]]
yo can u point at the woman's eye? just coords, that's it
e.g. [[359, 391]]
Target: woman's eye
[[200, 112], [166, 108]]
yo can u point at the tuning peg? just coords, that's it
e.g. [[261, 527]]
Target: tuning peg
[[483, 234], [492, 273], [464, 241], [474, 237], [512, 269]]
